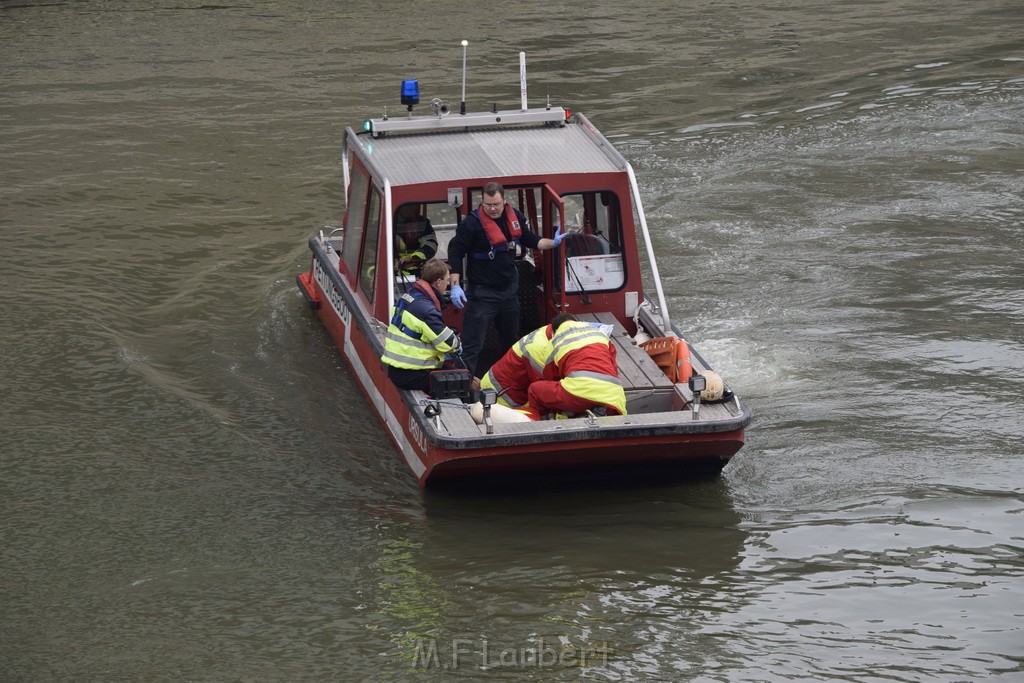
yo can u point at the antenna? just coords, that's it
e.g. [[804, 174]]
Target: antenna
[[462, 108], [522, 78]]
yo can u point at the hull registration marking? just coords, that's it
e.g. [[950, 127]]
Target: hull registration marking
[[333, 295]]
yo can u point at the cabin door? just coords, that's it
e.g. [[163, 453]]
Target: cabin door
[[552, 218]]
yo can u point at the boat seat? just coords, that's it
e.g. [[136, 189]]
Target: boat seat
[[583, 244]]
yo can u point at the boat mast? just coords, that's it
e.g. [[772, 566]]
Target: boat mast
[[462, 108], [522, 80]]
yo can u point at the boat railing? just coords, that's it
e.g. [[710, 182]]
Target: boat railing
[[635, 190], [390, 239], [329, 241], [418, 124]]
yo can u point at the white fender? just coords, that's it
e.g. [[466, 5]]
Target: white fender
[[641, 337], [500, 415], [715, 386]]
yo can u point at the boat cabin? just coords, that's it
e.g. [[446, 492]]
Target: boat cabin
[[554, 172]]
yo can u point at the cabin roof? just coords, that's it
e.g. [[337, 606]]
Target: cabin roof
[[406, 159]]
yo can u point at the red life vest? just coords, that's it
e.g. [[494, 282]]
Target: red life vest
[[494, 234]]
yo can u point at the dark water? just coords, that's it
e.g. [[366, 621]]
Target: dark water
[[193, 488]]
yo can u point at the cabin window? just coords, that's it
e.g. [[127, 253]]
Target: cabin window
[[445, 218], [593, 246], [441, 216], [355, 218], [368, 260]]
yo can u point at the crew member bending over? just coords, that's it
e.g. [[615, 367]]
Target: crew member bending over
[[528, 361], [584, 358]]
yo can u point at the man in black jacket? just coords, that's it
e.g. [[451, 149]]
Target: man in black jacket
[[489, 237]]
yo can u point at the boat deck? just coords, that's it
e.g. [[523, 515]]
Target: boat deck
[[636, 369], [649, 396]]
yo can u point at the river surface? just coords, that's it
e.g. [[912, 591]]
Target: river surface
[[193, 488]]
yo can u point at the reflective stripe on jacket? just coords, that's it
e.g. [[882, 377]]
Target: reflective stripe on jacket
[[523, 364], [417, 338], [586, 362], [422, 246]]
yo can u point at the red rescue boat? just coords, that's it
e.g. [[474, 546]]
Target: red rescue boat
[[559, 171]]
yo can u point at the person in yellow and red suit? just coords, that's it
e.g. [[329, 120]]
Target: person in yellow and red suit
[[417, 339], [584, 358], [528, 361]]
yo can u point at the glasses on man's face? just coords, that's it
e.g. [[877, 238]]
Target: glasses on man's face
[[494, 205]]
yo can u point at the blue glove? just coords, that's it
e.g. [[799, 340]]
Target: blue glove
[[559, 235], [458, 297]]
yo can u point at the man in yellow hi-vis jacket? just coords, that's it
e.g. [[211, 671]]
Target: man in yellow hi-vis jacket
[[417, 338]]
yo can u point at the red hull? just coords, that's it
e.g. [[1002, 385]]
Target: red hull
[[433, 464], [591, 456]]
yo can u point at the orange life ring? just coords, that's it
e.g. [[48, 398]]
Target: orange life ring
[[672, 355]]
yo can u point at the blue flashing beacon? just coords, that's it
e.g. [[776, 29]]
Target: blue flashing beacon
[[410, 92]]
